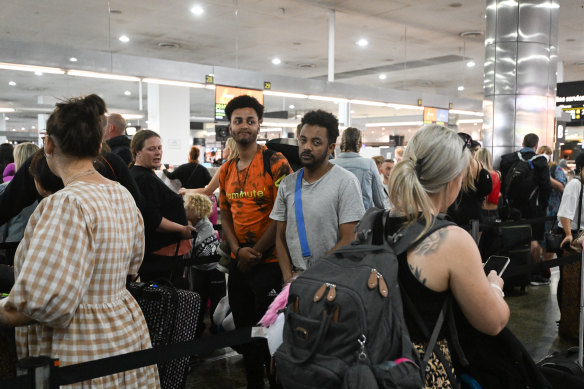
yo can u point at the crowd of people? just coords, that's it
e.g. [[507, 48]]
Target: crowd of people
[[89, 211]]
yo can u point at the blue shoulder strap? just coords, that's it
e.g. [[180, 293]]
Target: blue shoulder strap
[[300, 216]]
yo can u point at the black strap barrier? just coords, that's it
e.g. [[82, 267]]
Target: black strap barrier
[[71, 374], [528, 269]]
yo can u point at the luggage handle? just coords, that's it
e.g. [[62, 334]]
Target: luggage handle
[[322, 330]]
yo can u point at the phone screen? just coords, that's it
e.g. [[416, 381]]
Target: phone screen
[[496, 263]]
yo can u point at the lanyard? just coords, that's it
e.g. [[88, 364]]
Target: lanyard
[[299, 215]]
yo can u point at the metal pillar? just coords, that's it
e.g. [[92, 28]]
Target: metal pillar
[[520, 73]]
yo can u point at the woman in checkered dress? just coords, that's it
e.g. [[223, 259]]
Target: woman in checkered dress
[[69, 300]]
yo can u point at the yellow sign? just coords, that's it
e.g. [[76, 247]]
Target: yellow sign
[[267, 85], [450, 105], [419, 102], [209, 79]]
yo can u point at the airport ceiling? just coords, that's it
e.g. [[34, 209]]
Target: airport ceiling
[[420, 45]]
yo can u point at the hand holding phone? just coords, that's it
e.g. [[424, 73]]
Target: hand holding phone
[[496, 263]]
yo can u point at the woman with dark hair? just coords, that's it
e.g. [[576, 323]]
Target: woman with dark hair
[[69, 300], [168, 238], [6, 156], [191, 175]]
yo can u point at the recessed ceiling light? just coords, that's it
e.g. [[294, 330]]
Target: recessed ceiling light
[[362, 42], [11, 83], [73, 59], [460, 88], [127, 93], [352, 111], [471, 64], [33, 127], [291, 106], [22, 128], [382, 76], [197, 10], [124, 39], [6, 118], [38, 73], [276, 61]]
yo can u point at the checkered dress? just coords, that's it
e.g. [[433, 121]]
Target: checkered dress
[[71, 267]]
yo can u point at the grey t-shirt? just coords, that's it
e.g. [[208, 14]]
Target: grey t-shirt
[[332, 200]]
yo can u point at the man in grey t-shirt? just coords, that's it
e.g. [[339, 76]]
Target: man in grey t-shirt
[[331, 199]]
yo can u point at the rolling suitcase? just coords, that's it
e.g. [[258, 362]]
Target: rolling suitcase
[[565, 368], [171, 316]]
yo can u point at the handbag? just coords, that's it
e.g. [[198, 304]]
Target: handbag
[[578, 239], [553, 240]]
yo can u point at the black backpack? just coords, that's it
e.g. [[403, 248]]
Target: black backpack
[[344, 325], [520, 184]]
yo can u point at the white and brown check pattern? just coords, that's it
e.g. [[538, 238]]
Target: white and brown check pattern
[[71, 267]]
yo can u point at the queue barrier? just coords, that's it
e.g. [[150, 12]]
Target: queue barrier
[[44, 372]]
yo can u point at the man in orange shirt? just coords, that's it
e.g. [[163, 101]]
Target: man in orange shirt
[[249, 185]]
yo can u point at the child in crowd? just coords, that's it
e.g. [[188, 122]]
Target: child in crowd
[[206, 279]]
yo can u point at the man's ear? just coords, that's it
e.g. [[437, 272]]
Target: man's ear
[[331, 148], [49, 146]]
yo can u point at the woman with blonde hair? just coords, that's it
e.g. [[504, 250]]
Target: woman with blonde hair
[[490, 211], [447, 262]]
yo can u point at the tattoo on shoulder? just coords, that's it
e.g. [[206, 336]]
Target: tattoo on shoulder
[[417, 272], [431, 243]]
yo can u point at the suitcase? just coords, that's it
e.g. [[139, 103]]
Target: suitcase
[[513, 241], [171, 315], [565, 368]]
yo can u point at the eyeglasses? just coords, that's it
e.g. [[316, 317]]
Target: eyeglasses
[[466, 139]]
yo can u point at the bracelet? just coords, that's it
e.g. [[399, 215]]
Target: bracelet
[[237, 252], [498, 288]]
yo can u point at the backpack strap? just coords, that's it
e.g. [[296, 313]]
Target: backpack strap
[[404, 239], [267, 157], [371, 228]]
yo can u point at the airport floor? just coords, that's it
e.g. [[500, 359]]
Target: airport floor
[[534, 317]]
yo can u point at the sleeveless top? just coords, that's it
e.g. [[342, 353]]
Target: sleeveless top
[[493, 197]]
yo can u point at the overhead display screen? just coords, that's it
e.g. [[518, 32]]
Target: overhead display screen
[[435, 115], [223, 94]]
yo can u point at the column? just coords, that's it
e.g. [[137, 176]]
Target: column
[[3, 138], [520, 73], [169, 115]]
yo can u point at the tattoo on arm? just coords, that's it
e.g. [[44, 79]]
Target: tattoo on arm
[[417, 272], [431, 243]]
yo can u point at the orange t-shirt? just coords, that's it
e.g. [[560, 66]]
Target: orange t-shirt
[[249, 196]]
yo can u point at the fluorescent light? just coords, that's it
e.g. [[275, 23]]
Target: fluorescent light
[[4, 110], [109, 76], [279, 124], [276, 61], [197, 10], [368, 102], [460, 88], [11, 83], [128, 93], [291, 106], [382, 76], [124, 38], [73, 59], [471, 64], [131, 116], [405, 106], [461, 112], [210, 86], [394, 124], [327, 98], [173, 83], [38, 73], [31, 68], [470, 121], [362, 42], [285, 94]]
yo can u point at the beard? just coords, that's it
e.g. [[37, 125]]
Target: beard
[[245, 139], [315, 161]]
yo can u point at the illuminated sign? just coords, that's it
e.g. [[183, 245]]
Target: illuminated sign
[[435, 115], [224, 94], [575, 112]]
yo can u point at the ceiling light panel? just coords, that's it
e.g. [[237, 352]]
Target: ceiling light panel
[[109, 76], [31, 68]]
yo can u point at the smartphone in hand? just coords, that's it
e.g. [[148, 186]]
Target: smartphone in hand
[[497, 263]]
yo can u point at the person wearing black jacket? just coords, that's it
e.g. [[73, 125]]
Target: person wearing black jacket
[[21, 191], [191, 175], [532, 209], [116, 139]]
